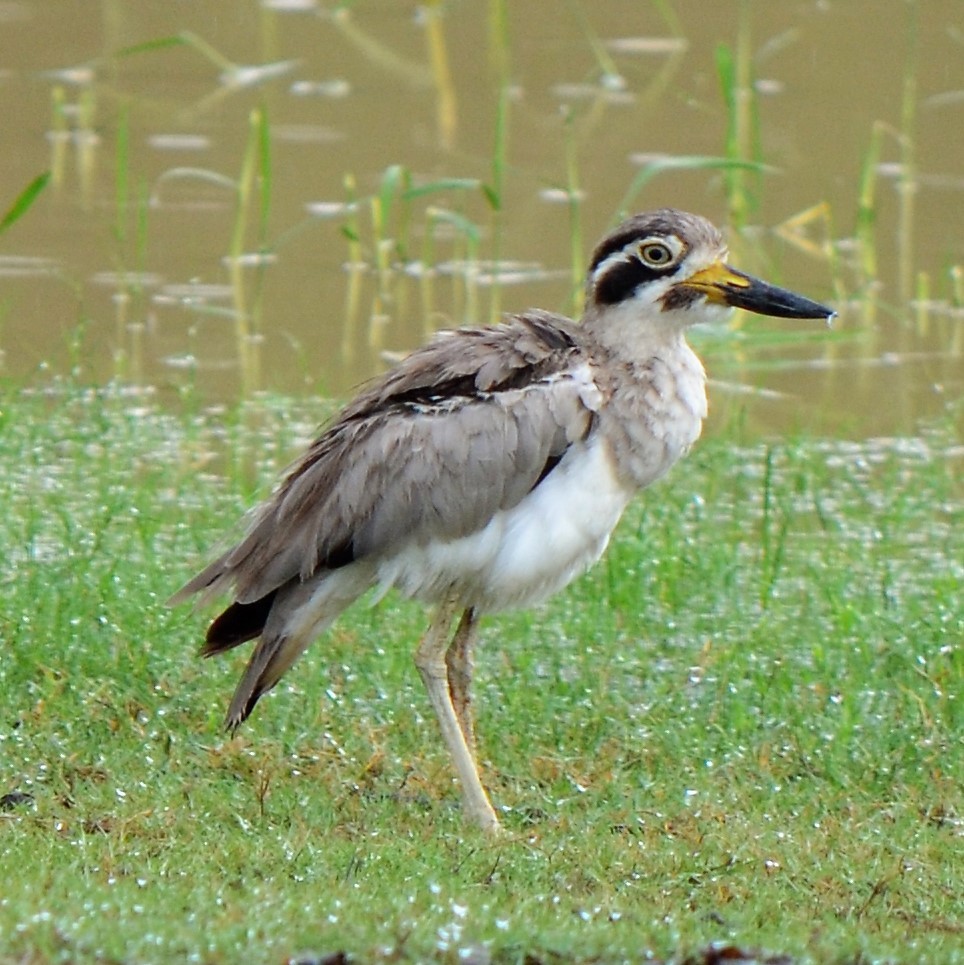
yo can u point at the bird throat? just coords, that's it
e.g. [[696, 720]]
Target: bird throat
[[654, 412]]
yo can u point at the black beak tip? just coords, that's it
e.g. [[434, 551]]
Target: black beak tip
[[766, 299], [800, 307]]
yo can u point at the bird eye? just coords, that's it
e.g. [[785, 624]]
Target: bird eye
[[655, 254]]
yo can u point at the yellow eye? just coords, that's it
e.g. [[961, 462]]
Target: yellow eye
[[655, 254]]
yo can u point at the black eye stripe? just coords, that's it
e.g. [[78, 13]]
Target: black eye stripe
[[621, 262], [621, 280]]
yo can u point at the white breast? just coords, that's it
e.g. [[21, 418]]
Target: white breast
[[528, 552]]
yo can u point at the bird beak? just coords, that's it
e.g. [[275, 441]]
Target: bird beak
[[724, 285]]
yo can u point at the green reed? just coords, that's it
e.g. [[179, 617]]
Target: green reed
[[735, 72], [577, 254], [24, 201], [121, 228], [609, 74], [907, 180], [253, 201], [442, 79], [867, 208]]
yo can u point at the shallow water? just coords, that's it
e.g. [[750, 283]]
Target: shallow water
[[123, 266]]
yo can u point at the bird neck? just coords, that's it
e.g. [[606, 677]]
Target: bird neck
[[629, 332], [654, 385]]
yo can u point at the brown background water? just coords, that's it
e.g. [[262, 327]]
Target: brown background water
[[119, 269]]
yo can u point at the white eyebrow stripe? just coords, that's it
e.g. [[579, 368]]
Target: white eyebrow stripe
[[630, 252], [623, 255]]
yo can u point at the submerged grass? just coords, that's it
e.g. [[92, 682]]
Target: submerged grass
[[744, 726]]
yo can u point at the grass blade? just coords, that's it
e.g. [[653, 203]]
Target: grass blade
[[24, 200], [694, 162]]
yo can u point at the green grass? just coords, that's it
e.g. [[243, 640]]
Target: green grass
[[743, 727]]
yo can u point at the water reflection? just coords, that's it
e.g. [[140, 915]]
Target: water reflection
[[289, 197]]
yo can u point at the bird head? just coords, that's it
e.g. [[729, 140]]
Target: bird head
[[670, 267]]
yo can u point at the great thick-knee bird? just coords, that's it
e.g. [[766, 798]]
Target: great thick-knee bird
[[488, 469]]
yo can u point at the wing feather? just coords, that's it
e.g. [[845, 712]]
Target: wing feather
[[463, 428]]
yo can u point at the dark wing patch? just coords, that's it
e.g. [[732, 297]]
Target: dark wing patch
[[239, 623]]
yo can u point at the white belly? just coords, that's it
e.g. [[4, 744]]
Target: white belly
[[526, 553]]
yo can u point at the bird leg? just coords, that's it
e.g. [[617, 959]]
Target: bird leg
[[458, 660], [430, 658]]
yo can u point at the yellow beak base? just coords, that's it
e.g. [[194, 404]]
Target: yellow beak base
[[723, 285]]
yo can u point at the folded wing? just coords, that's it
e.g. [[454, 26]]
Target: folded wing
[[463, 428]]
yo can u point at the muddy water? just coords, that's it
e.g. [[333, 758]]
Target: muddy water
[[123, 269]]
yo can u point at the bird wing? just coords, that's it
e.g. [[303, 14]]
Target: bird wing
[[461, 429]]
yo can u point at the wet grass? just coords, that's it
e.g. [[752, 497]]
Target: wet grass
[[743, 727]]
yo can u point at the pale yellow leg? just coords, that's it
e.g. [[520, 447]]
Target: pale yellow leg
[[460, 664], [431, 663]]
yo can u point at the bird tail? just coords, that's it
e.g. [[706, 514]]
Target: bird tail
[[299, 613]]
